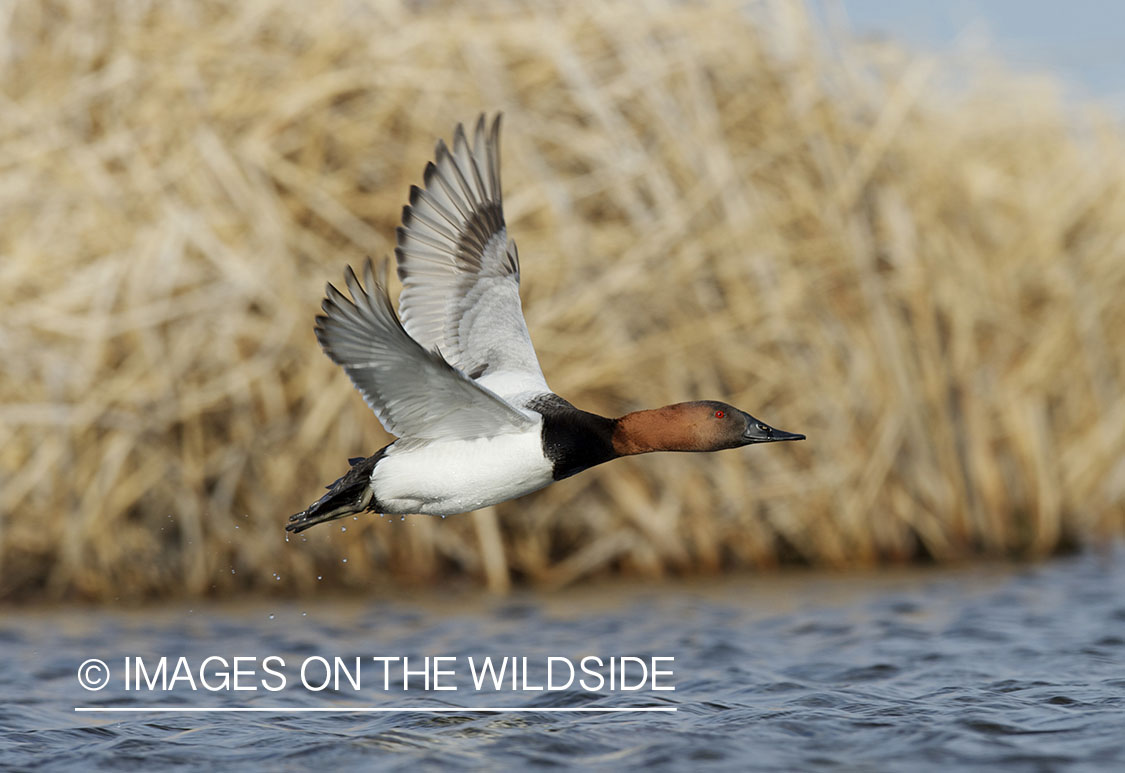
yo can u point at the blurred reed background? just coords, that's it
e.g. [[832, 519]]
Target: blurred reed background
[[916, 261]]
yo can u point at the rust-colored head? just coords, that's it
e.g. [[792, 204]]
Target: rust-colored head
[[704, 425]]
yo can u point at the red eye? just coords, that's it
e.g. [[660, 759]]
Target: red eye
[[719, 414]]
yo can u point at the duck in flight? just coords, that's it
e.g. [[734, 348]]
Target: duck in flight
[[456, 379]]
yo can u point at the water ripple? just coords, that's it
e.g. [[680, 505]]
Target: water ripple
[[1005, 669]]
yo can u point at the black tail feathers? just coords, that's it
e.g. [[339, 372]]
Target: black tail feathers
[[350, 494]]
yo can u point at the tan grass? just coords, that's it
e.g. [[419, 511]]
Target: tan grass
[[925, 280]]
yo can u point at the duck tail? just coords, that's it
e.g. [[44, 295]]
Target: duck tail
[[350, 494]]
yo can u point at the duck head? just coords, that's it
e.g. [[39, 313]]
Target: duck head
[[703, 425]]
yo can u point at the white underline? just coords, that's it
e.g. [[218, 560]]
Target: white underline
[[367, 709]]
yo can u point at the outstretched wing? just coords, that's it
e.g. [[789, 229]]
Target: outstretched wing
[[460, 273], [414, 392]]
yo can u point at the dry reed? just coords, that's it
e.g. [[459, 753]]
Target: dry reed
[[927, 280]]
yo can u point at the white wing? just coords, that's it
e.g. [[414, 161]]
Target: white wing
[[414, 392], [460, 273]]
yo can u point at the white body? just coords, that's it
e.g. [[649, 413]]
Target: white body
[[444, 477]]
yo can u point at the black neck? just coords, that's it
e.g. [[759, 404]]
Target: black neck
[[573, 440]]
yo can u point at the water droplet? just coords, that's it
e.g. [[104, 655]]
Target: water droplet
[[319, 577], [345, 561], [232, 571], [304, 614], [271, 616]]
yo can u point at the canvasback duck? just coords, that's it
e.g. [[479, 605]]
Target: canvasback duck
[[457, 380]]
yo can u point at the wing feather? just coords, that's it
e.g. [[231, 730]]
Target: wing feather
[[413, 391], [460, 272]]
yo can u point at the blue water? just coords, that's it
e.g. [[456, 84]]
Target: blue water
[[1008, 668]]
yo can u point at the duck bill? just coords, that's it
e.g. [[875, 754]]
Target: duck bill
[[761, 433]]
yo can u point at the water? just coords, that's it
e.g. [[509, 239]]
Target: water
[[1009, 668]]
